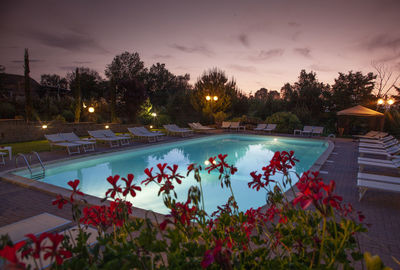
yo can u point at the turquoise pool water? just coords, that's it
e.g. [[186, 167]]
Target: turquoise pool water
[[247, 152]]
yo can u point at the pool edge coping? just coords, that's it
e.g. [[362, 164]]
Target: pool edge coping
[[54, 190]]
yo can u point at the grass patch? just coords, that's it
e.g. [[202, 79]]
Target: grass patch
[[27, 147]]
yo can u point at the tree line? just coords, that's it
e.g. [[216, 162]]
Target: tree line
[[131, 92]]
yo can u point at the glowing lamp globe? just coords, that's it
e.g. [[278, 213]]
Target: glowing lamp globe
[[208, 98], [380, 101], [44, 126], [390, 101], [215, 98], [91, 110]]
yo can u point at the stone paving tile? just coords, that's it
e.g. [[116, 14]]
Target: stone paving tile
[[382, 209]]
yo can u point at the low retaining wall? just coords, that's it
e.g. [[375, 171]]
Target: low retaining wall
[[19, 131]]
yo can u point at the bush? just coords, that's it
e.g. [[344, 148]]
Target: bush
[[162, 119], [314, 231], [59, 118], [68, 116], [7, 110], [286, 121], [219, 117]]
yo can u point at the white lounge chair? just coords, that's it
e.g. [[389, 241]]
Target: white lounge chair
[[199, 127], [379, 144], [393, 150], [123, 139], [175, 130], [260, 127], [307, 130], [87, 145], [225, 125], [367, 181], [270, 128], [374, 135], [317, 131], [98, 135], [57, 140], [371, 162], [237, 126], [137, 132], [379, 140]]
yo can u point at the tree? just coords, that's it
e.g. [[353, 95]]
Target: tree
[[213, 83], [353, 89], [53, 80], [124, 67], [27, 86], [90, 83], [133, 96], [385, 80], [161, 84], [77, 96], [261, 94]]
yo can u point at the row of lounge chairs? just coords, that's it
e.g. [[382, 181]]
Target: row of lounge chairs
[[232, 125], [309, 131], [385, 149], [265, 127]]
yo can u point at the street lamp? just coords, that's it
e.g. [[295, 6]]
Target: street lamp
[[91, 109], [385, 102]]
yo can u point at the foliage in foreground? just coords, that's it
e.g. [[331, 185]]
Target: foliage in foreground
[[315, 230]]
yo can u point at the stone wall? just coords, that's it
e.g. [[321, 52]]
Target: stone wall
[[19, 131]]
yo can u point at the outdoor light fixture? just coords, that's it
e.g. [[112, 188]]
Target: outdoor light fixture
[[107, 126], [91, 109], [208, 98], [44, 126], [380, 101], [215, 98], [151, 126], [385, 102], [154, 114], [390, 101]]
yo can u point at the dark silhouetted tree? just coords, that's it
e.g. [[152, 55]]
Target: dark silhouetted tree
[[126, 66], [90, 83], [353, 89], [27, 86], [77, 96], [261, 94], [134, 94]]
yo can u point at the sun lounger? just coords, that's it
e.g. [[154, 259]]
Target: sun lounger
[[199, 127], [370, 162], [57, 140], [367, 181], [260, 127], [87, 145], [307, 130], [379, 140], [237, 126], [98, 135], [393, 150], [375, 135], [123, 139], [270, 128], [36, 225], [317, 131], [137, 132], [160, 135], [379, 145], [175, 130], [225, 125]]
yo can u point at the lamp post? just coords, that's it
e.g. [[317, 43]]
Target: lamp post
[[154, 119]]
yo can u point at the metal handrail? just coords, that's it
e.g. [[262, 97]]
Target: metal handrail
[[38, 157], [26, 161]]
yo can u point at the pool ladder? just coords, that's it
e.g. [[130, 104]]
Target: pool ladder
[[36, 176]]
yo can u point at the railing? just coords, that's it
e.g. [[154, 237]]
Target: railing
[[28, 164]]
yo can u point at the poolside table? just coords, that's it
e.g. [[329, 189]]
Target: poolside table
[[8, 148]]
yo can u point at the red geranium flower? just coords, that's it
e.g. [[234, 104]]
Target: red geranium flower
[[59, 254], [10, 254], [130, 188], [150, 176], [74, 184], [60, 201], [115, 189]]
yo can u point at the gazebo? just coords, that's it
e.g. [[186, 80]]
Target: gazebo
[[369, 119]]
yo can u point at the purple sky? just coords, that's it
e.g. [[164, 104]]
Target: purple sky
[[259, 43]]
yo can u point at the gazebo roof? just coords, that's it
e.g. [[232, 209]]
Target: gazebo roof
[[359, 111]]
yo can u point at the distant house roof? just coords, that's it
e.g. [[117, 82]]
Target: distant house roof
[[359, 111], [15, 83]]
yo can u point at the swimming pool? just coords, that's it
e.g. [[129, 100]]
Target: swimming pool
[[247, 152]]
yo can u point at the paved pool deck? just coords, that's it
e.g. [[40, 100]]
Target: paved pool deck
[[382, 209]]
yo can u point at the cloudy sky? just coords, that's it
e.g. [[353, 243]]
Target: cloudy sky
[[259, 43]]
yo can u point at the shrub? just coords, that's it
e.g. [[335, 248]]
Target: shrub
[[68, 116], [59, 118], [314, 231], [286, 121], [7, 110], [219, 117]]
